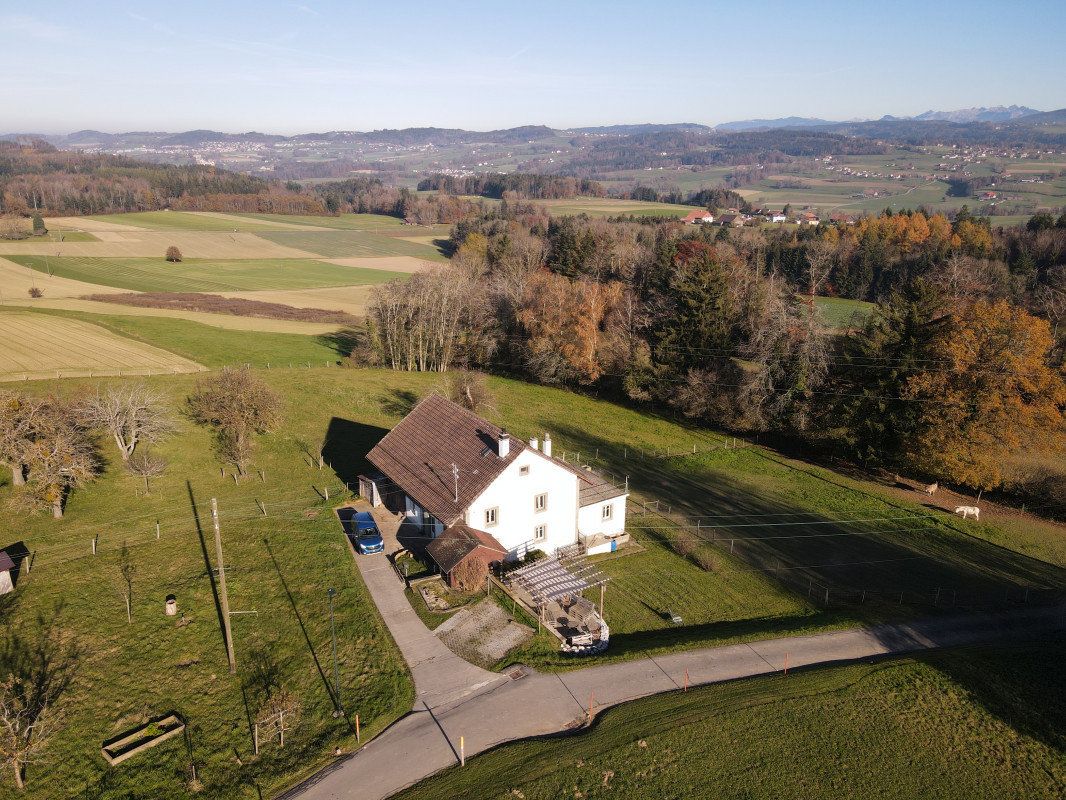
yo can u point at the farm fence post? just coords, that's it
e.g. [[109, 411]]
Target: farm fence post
[[157, 530]]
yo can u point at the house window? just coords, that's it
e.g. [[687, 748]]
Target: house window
[[491, 516], [524, 469], [540, 502], [540, 533], [608, 512]]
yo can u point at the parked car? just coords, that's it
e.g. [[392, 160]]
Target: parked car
[[366, 535]]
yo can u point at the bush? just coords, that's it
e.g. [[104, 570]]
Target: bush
[[173, 254], [36, 291]]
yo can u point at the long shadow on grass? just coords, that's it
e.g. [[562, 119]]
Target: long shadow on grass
[[797, 543], [334, 700], [207, 561]]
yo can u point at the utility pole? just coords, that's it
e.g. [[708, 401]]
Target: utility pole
[[224, 595], [336, 673]]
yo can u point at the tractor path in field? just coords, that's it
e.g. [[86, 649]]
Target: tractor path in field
[[456, 699]]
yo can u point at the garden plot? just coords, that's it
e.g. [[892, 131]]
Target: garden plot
[[46, 346], [483, 633]]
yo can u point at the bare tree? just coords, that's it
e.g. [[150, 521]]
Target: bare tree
[[468, 389], [25, 730], [819, 265], [33, 677], [146, 464], [173, 254], [131, 413], [238, 405]]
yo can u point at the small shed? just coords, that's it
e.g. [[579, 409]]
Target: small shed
[[6, 567], [458, 544]]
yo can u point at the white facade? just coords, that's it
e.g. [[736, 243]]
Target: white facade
[[514, 494], [591, 519]]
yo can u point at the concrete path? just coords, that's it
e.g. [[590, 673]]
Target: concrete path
[[441, 677], [457, 699]]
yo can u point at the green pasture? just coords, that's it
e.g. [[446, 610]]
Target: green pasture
[[353, 244], [203, 274], [954, 725]]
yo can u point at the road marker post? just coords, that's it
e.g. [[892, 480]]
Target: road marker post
[[462, 751]]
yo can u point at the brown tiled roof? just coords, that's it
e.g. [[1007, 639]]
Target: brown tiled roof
[[459, 541], [417, 455]]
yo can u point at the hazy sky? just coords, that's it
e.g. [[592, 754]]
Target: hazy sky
[[312, 66]]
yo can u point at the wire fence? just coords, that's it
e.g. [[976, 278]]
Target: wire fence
[[808, 580]]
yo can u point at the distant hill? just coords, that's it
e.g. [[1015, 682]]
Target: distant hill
[[772, 124], [981, 114], [646, 127]]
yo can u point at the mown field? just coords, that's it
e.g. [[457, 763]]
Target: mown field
[[38, 346], [204, 275], [176, 220], [281, 564], [957, 724], [211, 346]]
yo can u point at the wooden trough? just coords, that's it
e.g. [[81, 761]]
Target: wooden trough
[[143, 737]]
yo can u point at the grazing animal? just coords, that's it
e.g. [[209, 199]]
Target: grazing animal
[[967, 510], [931, 488]]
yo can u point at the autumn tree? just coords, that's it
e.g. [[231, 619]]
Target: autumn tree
[[173, 254], [21, 417], [990, 389], [62, 457], [238, 405], [130, 413], [568, 327]]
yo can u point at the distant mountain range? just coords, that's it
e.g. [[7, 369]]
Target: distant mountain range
[[962, 115], [411, 137], [982, 114]]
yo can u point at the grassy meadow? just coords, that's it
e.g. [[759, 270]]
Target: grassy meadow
[[340, 243], [956, 724], [279, 565]]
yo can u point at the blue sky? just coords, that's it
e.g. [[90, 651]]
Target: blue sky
[[289, 67]]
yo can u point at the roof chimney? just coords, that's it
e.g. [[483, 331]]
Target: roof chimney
[[546, 445], [534, 442], [503, 444]]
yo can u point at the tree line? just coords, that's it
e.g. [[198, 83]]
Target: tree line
[[960, 360]]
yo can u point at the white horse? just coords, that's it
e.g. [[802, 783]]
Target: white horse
[[967, 510]]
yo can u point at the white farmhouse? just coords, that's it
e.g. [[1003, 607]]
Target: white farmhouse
[[444, 466]]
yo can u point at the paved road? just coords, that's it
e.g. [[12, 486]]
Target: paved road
[[457, 699]]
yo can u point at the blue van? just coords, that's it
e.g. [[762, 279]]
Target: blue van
[[365, 532]]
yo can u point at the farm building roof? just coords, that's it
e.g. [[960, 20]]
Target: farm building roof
[[457, 542], [418, 454], [5, 561]]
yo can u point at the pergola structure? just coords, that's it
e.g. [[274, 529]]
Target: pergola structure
[[554, 580]]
